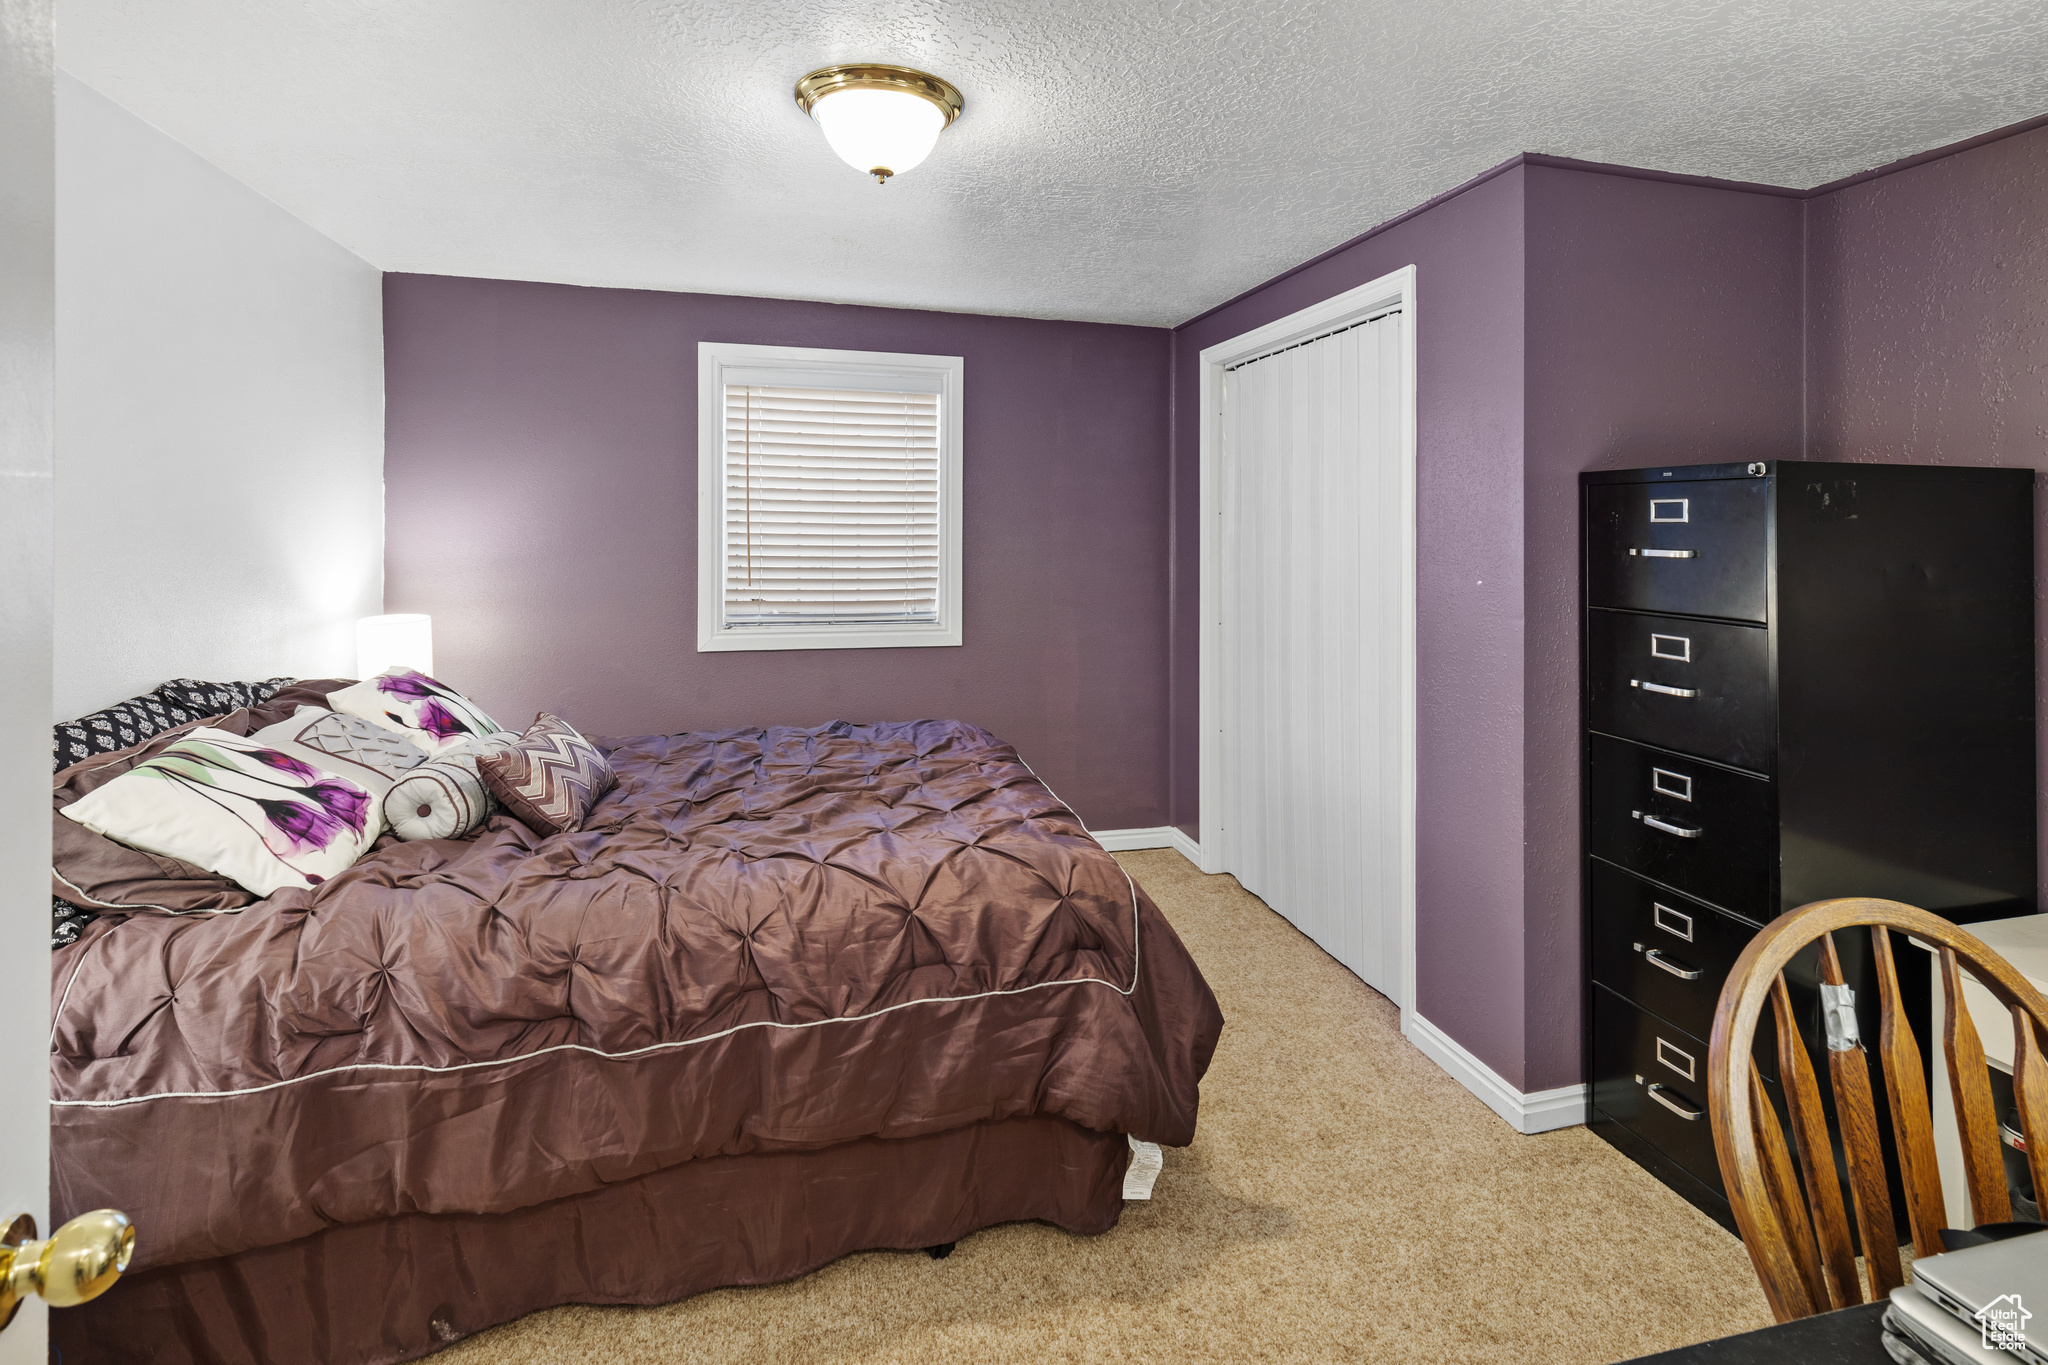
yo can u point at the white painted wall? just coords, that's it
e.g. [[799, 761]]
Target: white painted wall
[[219, 493], [26, 282]]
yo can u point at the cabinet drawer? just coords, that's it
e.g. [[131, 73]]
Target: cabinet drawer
[[1667, 953], [1634, 1051], [1695, 548], [1690, 825], [1702, 687]]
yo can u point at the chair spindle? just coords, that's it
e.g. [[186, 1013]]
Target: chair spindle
[[1787, 1203], [2030, 1097], [1856, 1113], [1816, 1154], [1970, 1086], [1905, 1086]]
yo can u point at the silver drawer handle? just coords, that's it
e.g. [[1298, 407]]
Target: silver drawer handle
[[1665, 554], [1680, 830], [1657, 959], [1663, 690], [1684, 1111]]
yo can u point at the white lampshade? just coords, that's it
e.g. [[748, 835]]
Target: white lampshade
[[405, 640], [882, 132], [880, 119]]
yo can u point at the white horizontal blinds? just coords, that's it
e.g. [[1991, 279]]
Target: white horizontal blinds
[[831, 506]]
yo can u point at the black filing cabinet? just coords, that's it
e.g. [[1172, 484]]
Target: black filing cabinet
[[1800, 680]]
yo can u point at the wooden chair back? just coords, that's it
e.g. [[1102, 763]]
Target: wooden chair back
[[1799, 1242]]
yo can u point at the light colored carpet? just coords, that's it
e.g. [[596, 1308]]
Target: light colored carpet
[[1344, 1200]]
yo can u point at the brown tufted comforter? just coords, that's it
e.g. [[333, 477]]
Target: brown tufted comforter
[[762, 940]]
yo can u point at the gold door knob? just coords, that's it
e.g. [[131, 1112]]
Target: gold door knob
[[80, 1262]]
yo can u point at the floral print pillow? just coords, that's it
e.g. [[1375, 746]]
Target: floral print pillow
[[232, 805], [431, 714]]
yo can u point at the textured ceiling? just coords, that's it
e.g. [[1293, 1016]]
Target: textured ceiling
[[1118, 160]]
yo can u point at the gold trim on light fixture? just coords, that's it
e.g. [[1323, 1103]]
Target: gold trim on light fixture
[[878, 76]]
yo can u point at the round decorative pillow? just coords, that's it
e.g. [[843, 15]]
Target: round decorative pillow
[[443, 798]]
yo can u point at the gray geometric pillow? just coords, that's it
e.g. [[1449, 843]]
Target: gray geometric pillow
[[355, 746]]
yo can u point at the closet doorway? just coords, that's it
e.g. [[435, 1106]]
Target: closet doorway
[[1308, 624]]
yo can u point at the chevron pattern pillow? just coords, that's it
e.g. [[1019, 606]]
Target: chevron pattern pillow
[[548, 778]]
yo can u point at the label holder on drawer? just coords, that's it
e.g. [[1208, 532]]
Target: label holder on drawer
[[1664, 782], [1677, 1059], [1674, 922]]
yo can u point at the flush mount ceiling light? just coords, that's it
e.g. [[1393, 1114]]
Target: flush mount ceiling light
[[880, 119]]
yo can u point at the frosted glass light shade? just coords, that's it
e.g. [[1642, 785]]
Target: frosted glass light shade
[[881, 132], [405, 640]]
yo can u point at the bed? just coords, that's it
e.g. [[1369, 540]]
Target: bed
[[789, 994]]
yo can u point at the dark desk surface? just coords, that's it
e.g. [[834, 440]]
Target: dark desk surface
[[1850, 1337]]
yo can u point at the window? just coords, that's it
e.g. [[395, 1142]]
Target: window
[[829, 498]]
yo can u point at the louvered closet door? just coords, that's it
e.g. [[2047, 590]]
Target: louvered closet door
[[1310, 659]]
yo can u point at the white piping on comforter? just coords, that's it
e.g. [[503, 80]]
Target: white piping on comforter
[[651, 1048]]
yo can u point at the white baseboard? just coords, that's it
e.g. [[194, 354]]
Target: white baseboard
[[1539, 1112], [1124, 840], [1159, 836]]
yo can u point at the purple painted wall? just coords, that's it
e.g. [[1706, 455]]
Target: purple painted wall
[[1927, 318], [1468, 255], [541, 474], [1566, 319], [1663, 327]]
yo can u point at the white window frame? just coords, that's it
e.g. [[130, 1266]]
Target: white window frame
[[720, 363]]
